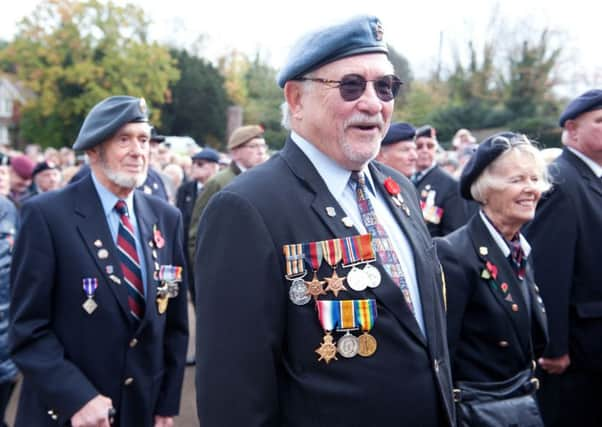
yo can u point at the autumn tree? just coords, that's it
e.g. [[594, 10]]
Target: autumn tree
[[72, 54]]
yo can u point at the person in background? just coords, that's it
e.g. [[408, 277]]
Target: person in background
[[99, 324], [442, 207], [398, 149], [269, 341], [46, 177], [174, 176], [566, 238], [8, 231], [496, 321], [67, 156], [247, 149], [21, 170]]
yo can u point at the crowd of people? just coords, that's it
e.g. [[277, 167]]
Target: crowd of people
[[362, 275]]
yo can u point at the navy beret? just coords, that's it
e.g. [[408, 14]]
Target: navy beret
[[359, 35], [42, 166], [208, 154], [588, 101], [426, 130], [399, 132], [107, 117], [155, 137], [487, 151]]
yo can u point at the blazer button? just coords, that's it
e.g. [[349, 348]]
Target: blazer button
[[128, 381], [133, 343], [503, 343]]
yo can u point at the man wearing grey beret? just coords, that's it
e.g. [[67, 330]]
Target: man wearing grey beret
[[320, 299], [98, 309]]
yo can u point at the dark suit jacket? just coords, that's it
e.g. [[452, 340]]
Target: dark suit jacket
[[68, 356], [256, 360], [491, 331], [447, 197], [566, 235], [187, 194]]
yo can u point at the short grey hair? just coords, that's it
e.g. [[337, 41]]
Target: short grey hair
[[488, 181]]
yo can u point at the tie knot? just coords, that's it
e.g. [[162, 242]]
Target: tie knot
[[358, 178], [121, 207]]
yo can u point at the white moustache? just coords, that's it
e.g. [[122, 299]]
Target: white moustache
[[360, 119]]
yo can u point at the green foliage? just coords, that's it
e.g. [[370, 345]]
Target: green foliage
[[198, 103], [73, 54]]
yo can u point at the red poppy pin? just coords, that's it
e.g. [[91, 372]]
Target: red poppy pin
[[504, 287], [391, 186], [490, 271], [158, 237], [393, 189]]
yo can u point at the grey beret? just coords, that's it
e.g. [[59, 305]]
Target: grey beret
[[362, 34], [208, 154], [107, 117], [588, 101], [399, 132]]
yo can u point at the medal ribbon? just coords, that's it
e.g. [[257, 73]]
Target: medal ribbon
[[170, 273], [313, 251], [294, 260], [347, 314], [332, 251], [90, 284], [351, 251], [365, 311], [328, 313], [366, 250]]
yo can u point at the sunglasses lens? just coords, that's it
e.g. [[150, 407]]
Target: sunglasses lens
[[352, 87]]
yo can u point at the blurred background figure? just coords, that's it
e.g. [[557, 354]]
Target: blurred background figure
[[21, 170], [4, 175], [398, 149], [67, 156], [46, 177], [550, 154]]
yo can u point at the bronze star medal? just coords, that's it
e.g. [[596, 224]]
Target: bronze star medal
[[335, 284], [314, 288], [327, 350]]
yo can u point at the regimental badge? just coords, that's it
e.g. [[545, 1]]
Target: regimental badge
[[330, 211], [347, 222], [379, 31], [98, 243], [483, 250], [142, 105], [103, 254], [158, 237]]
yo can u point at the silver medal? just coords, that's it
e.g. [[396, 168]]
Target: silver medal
[[357, 279], [348, 345], [298, 292], [90, 305], [373, 275]]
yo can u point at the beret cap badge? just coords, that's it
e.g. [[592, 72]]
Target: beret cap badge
[[143, 105], [379, 31]]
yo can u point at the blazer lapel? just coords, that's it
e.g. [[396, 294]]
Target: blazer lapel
[[146, 220], [94, 230], [593, 182], [505, 287], [387, 293]]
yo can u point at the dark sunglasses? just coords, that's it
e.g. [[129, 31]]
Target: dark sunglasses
[[352, 86]]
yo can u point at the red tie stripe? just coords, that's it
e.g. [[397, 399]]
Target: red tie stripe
[[130, 263]]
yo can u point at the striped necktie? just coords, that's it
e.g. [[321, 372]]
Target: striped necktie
[[130, 263], [380, 238]]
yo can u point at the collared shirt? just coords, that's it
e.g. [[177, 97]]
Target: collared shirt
[[595, 167], [501, 242], [108, 200], [421, 174], [336, 179]]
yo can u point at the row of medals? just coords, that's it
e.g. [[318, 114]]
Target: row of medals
[[347, 346]]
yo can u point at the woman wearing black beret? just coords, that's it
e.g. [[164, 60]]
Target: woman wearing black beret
[[496, 319]]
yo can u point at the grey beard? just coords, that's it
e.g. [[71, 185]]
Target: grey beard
[[123, 180]]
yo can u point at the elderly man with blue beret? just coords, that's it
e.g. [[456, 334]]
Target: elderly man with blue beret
[[566, 239], [320, 299], [398, 149], [98, 308]]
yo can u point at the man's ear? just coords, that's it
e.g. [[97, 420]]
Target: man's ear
[[293, 94]]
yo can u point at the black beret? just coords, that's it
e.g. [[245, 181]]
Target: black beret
[[588, 101], [359, 35], [42, 166], [155, 137], [208, 154], [487, 151], [426, 130], [399, 132], [107, 117]]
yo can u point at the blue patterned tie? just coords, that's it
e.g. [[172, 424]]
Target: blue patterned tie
[[380, 239], [130, 263]]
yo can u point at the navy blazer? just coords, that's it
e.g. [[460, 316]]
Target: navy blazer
[[68, 356], [491, 331], [447, 197], [566, 235], [256, 360]]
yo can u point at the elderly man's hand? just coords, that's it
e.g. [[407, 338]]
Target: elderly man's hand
[[163, 421], [95, 413], [555, 365]]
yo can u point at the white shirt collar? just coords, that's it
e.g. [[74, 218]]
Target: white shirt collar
[[595, 167], [501, 242]]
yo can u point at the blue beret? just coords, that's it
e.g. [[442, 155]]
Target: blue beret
[[588, 101], [399, 132], [362, 34], [426, 130], [208, 154], [155, 136], [487, 151], [107, 117]]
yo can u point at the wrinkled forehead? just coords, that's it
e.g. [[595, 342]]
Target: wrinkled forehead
[[371, 64]]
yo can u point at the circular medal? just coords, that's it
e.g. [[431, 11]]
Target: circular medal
[[357, 279], [373, 275], [348, 345], [367, 345], [298, 292]]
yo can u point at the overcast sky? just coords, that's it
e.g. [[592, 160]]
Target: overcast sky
[[413, 28]]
